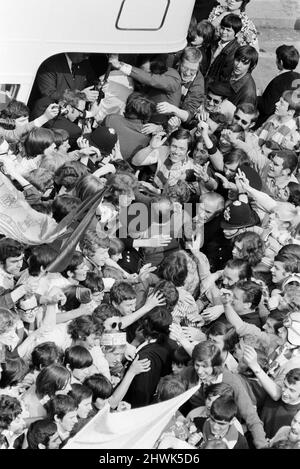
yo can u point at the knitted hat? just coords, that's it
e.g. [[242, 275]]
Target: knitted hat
[[239, 215], [103, 138]]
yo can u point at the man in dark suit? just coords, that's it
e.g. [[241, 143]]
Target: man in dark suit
[[73, 105], [223, 57], [287, 61], [63, 71]]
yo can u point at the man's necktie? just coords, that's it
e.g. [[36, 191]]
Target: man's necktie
[[74, 69]]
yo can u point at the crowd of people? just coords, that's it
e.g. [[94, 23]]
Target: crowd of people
[[188, 270]]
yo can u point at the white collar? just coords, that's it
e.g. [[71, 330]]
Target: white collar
[[147, 342], [69, 62]]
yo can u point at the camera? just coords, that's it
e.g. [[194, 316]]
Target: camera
[[62, 110]]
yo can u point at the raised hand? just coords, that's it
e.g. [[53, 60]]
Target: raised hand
[[226, 184], [242, 182], [155, 299], [176, 333], [250, 356], [114, 60], [151, 129], [91, 94], [158, 140], [201, 171], [51, 111], [174, 123], [212, 313], [195, 244], [226, 296]]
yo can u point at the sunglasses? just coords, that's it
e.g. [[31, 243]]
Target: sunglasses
[[239, 119]]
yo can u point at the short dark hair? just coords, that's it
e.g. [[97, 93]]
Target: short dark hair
[[219, 389], [236, 156], [158, 62], [244, 4], [80, 328], [137, 105], [10, 248], [252, 292], [180, 356], [60, 136], [80, 392], [122, 291], [39, 432], [224, 409], [245, 271], [248, 108], [10, 408], [225, 330], [45, 354], [37, 141], [170, 292], [253, 247], [156, 324], [294, 190], [41, 256], [93, 282], [75, 296], [13, 371], [247, 54], [182, 134], [62, 205], [288, 55], [293, 376], [291, 263], [100, 386], [116, 246], [51, 379], [68, 174], [15, 109], [289, 157], [169, 387], [103, 312], [78, 357], [207, 352], [90, 242], [232, 21], [206, 30], [76, 260], [60, 405], [72, 97], [174, 268]]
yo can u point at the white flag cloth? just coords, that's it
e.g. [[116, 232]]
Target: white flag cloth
[[19, 221], [132, 429]]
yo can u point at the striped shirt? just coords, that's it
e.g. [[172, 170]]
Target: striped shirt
[[285, 134]]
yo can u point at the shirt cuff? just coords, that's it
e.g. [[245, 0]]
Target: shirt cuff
[[212, 150], [126, 69]]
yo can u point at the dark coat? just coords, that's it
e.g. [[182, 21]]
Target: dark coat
[[266, 102], [194, 97], [54, 77], [222, 66], [158, 88], [243, 91], [143, 386]]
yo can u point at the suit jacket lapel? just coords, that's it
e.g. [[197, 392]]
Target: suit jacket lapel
[[67, 73]]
